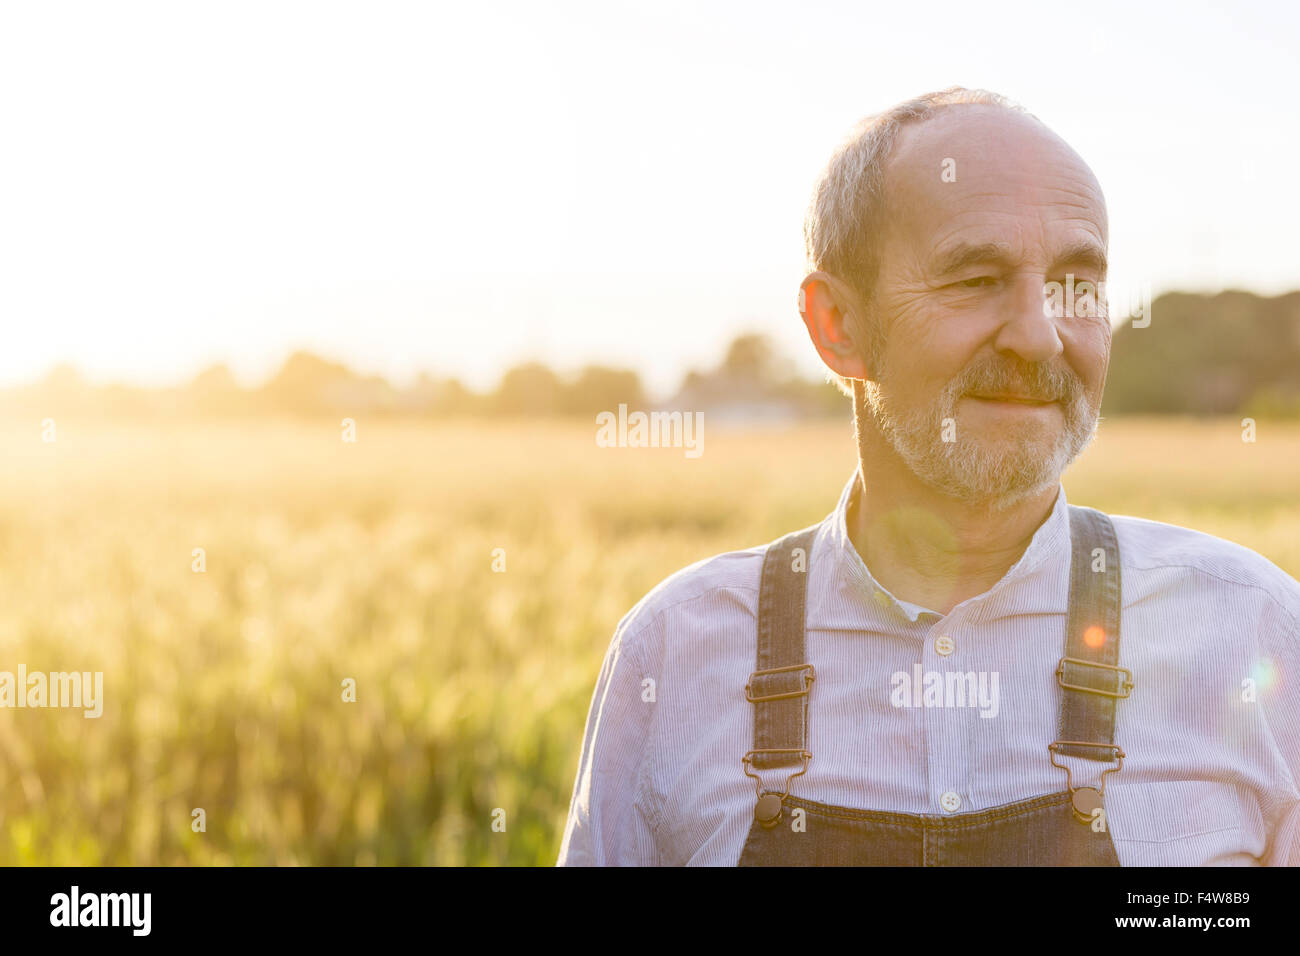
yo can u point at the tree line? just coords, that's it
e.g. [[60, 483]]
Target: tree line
[[1226, 354]]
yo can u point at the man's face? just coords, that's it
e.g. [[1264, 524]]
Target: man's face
[[985, 394]]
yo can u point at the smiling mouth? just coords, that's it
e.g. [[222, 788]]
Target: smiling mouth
[[1012, 399]]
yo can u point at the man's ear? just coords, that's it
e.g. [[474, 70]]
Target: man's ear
[[827, 307]]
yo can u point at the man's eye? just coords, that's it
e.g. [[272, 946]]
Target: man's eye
[[977, 282]]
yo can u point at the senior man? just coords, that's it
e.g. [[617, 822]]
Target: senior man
[[956, 666]]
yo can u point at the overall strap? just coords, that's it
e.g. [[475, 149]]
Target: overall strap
[[1089, 674], [779, 686]]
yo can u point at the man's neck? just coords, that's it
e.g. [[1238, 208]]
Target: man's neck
[[929, 548]]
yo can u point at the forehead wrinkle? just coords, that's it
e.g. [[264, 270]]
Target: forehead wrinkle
[[995, 202], [1019, 235], [914, 199], [1087, 225]]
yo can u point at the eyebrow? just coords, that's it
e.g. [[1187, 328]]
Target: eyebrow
[[1086, 254], [966, 254]]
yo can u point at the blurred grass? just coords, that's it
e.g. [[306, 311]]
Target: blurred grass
[[328, 560]]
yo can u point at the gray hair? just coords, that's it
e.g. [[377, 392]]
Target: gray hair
[[845, 216]]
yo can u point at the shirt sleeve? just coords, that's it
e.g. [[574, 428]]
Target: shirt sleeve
[[1282, 712], [1284, 848], [608, 824]]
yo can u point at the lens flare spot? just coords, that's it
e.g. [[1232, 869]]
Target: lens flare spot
[[1265, 674], [1094, 637]]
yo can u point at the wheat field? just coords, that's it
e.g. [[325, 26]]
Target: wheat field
[[372, 561]]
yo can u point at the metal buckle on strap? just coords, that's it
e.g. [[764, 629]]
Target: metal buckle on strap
[[807, 685], [1126, 685], [746, 762], [1118, 753]]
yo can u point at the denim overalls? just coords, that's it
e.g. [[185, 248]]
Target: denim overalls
[[1066, 828]]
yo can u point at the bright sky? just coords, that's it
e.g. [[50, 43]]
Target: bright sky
[[456, 187]]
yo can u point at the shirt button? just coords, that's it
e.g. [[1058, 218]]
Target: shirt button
[[950, 802], [945, 645]]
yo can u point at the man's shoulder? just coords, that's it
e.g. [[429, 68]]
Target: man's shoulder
[[722, 586], [1201, 558]]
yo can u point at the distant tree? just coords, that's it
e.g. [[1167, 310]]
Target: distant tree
[[1206, 355], [529, 390], [303, 370], [214, 391], [599, 389], [751, 356], [64, 377], [451, 397], [214, 378], [63, 391], [1273, 401], [310, 385], [752, 370]]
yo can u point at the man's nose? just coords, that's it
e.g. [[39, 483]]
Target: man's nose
[[1029, 328]]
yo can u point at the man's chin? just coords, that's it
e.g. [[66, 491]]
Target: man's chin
[[1001, 492], [1001, 471]]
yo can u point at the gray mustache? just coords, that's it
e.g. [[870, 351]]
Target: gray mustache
[[1042, 384]]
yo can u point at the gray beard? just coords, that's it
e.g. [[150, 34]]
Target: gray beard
[[1000, 471]]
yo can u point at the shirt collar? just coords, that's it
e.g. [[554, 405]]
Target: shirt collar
[[848, 596]]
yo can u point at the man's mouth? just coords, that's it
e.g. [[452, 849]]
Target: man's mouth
[[1011, 397]]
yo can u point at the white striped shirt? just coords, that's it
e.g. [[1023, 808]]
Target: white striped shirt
[[1211, 730]]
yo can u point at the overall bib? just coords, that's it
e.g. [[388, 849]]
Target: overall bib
[[1058, 829]]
